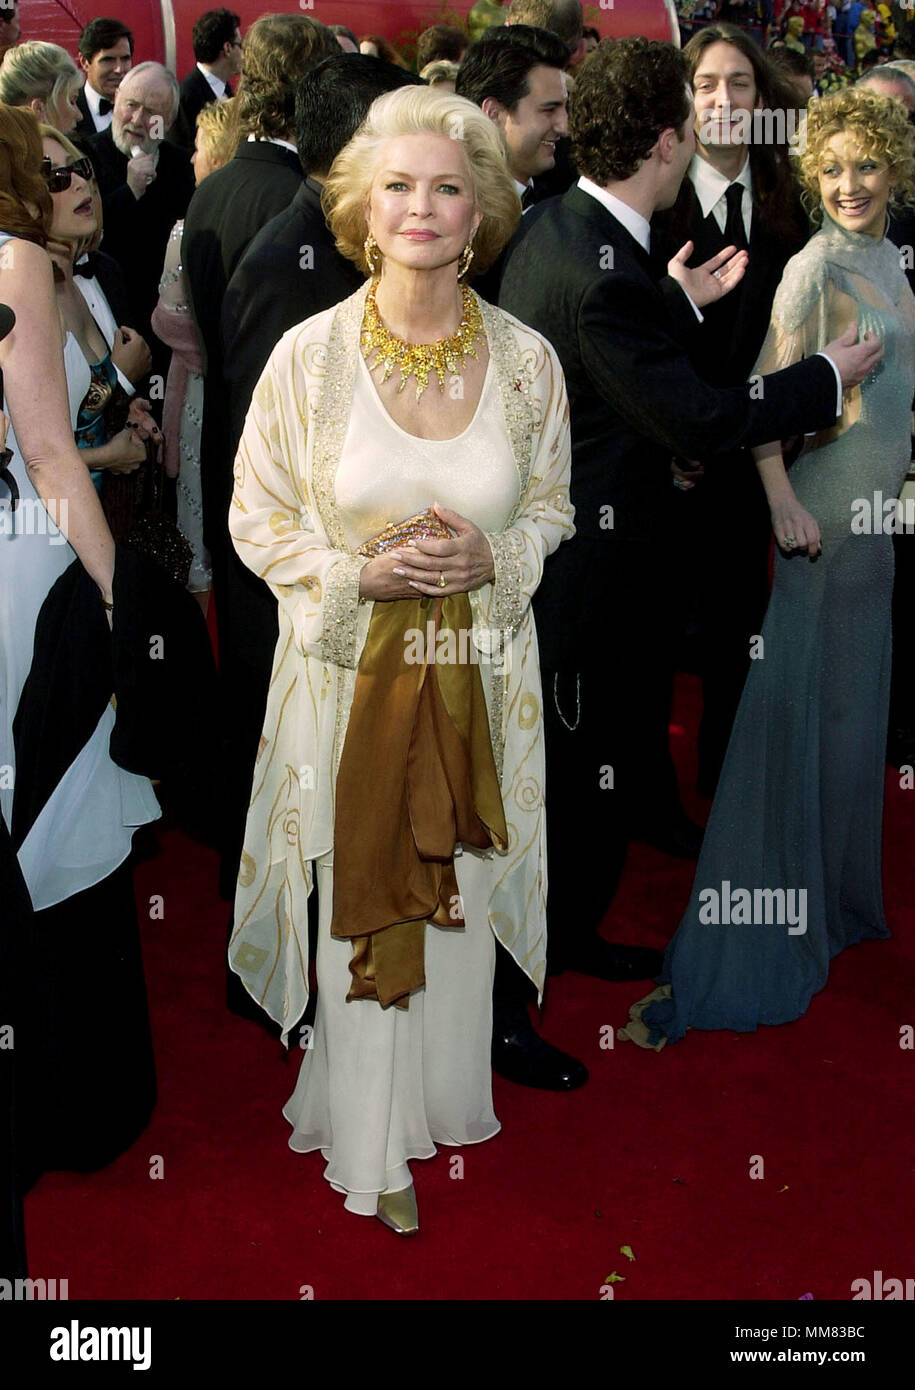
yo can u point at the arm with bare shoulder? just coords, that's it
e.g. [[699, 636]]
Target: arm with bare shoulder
[[38, 406]]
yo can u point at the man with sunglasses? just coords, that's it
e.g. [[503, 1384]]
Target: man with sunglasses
[[217, 47]]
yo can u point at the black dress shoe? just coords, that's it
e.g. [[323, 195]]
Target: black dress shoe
[[681, 838], [608, 960], [521, 1055]]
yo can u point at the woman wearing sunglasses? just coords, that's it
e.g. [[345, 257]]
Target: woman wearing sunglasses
[[90, 1050], [112, 358]]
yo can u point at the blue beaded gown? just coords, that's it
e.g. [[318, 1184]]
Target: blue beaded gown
[[800, 800]]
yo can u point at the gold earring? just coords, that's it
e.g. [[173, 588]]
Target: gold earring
[[370, 246], [464, 262]]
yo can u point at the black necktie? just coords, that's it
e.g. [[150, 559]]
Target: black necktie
[[104, 106], [734, 230], [87, 267], [528, 198]]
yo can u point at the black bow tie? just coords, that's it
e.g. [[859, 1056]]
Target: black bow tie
[[104, 106], [87, 266]]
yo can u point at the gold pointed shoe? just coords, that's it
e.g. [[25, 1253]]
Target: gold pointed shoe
[[398, 1210]]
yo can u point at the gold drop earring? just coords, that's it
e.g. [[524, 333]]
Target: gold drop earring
[[370, 247]]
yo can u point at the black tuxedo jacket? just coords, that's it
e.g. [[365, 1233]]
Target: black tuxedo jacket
[[136, 230], [291, 270], [624, 340], [226, 212], [735, 328], [196, 93], [85, 125]]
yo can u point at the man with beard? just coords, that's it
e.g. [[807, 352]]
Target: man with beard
[[146, 184]]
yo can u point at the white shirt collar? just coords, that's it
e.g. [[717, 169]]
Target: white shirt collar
[[633, 221], [219, 88], [92, 100], [710, 184], [272, 140]]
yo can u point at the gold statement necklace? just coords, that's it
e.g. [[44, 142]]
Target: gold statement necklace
[[447, 356]]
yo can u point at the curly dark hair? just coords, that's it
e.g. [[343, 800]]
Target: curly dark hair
[[22, 187], [626, 94]]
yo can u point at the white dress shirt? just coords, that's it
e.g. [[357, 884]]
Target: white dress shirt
[[92, 100], [219, 88], [711, 186]]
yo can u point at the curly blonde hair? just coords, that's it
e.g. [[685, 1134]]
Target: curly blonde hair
[[423, 111], [879, 126]]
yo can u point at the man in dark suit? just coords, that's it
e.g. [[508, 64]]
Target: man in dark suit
[[146, 185], [515, 75], [582, 276], [228, 209], [217, 48], [105, 52], [741, 194]]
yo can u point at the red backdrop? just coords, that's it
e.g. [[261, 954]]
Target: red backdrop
[[59, 21]]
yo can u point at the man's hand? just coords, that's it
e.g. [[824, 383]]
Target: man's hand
[[853, 359], [141, 171], [131, 354], [706, 283]]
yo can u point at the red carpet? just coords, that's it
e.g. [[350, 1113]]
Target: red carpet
[[654, 1153]]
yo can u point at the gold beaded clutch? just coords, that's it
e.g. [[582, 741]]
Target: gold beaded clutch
[[425, 526]]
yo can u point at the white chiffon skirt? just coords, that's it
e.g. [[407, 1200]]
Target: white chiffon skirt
[[379, 1087]]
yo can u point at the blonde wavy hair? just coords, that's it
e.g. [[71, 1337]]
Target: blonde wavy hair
[[878, 125], [36, 71], [90, 243], [219, 123], [423, 111]]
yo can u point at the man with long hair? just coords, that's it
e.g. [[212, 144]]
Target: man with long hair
[[739, 190]]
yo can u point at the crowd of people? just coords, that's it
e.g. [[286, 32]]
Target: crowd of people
[[454, 398]]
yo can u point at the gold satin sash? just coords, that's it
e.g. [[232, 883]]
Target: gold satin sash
[[417, 777]]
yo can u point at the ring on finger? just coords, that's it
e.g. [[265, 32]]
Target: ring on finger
[[441, 579]]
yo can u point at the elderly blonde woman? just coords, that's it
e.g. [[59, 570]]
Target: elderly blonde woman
[[403, 472], [789, 873], [43, 77]]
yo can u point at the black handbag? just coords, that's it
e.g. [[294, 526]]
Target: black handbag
[[154, 533]]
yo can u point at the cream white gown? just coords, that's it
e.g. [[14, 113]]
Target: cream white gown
[[377, 1086]]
